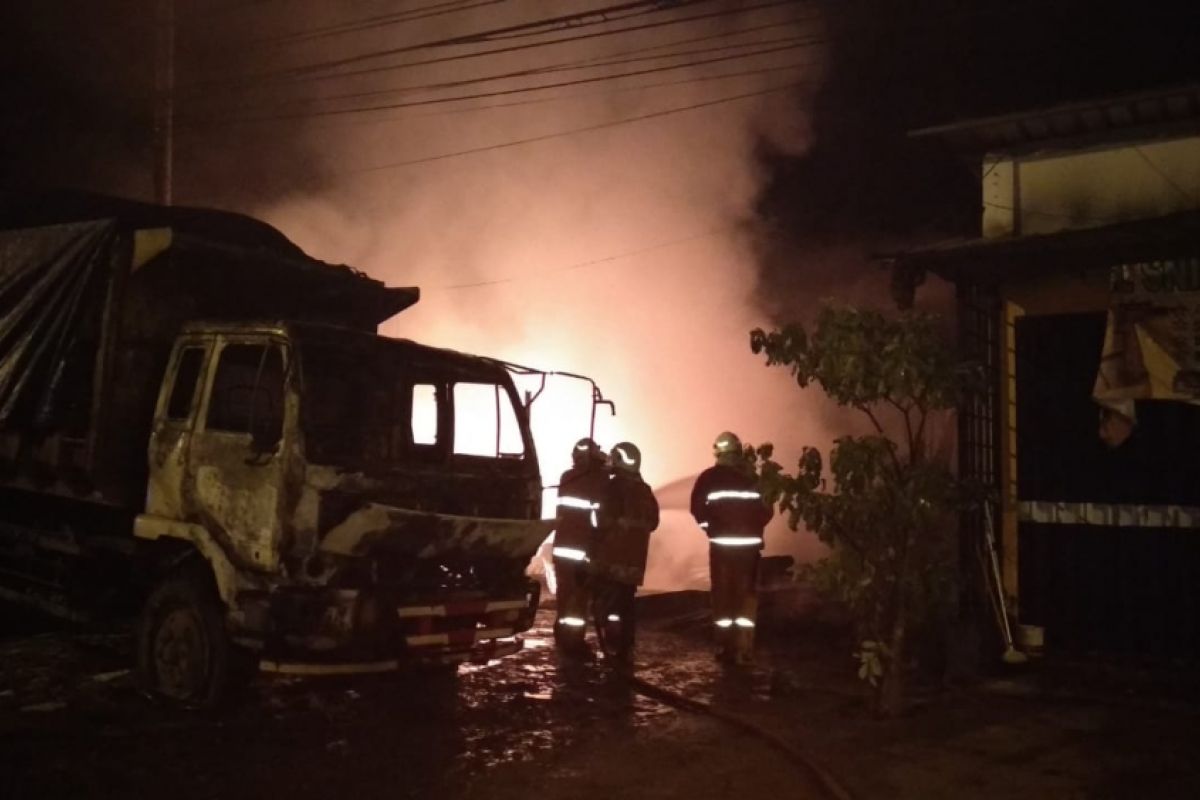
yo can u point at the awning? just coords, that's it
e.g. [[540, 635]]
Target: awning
[[1017, 257], [1127, 117], [1152, 340]]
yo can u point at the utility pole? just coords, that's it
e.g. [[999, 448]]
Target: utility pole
[[164, 100]]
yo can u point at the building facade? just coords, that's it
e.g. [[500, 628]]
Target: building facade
[[1082, 298]]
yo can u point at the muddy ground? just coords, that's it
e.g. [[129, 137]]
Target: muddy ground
[[71, 725]]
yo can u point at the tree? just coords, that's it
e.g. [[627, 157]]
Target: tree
[[887, 517]]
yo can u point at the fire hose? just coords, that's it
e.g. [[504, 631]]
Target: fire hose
[[830, 785]]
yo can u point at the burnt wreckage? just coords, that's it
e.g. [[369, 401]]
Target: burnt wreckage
[[199, 422]]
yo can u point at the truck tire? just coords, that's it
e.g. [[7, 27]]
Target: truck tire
[[183, 649]]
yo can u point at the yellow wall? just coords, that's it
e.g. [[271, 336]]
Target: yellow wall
[[1056, 294], [1053, 191]]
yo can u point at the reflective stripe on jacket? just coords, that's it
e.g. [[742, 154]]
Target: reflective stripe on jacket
[[727, 504], [581, 497]]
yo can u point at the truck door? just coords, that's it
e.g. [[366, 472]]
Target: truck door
[[236, 461], [174, 421]]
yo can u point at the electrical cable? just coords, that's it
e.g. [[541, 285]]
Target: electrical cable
[[694, 39], [786, 43], [504, 50], [590, 263], [305, 73], [340, 122], [572, 131], [484, 95], [380, 20], [1184, 193], [556, 68], [582, 95], [587, 18]]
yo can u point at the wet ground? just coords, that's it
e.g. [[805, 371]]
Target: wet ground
[[71, 725]]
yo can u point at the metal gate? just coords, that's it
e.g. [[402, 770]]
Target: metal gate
[[1108, 543]]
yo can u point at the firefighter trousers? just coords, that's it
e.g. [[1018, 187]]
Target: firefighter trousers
[[573, 599], [616, 623], [734, 573]]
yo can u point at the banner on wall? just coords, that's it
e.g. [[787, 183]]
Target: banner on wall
[[1152, 341]]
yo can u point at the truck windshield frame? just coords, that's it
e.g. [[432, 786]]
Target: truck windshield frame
[[367, 401]]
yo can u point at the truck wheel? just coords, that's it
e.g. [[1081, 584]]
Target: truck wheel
[[183, 651]]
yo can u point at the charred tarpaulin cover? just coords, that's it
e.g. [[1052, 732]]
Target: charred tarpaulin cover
[[93, 292], [53, 283]]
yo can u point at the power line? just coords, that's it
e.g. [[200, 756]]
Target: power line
[[597, 16], [604, 93], [591, 263], [502, 92], [303, 74], [572, 131], [703, 38], [337, 123], [784, 44], [566, 40], [377, 21], [1171, 181], [562, 67]]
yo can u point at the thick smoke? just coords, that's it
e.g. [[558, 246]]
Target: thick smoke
[[624, 253], [627, 252]]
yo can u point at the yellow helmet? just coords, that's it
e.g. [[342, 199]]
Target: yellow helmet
[[727, 447]]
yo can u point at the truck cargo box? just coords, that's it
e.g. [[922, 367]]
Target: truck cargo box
[[92, 295]]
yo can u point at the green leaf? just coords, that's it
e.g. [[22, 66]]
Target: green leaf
[[883, 503]]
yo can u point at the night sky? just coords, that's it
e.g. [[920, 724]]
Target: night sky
[[76, 77], [900, 66]]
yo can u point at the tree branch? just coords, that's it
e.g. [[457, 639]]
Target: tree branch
[[874, 420], [896, 465], [908, 431], [924, 412]]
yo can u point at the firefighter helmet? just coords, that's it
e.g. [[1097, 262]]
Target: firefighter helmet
[[586, 452], [727, 447], [626, 457]]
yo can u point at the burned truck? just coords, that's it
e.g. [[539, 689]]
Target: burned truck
[[199, 424]]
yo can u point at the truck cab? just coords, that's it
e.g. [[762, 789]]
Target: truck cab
[[361, 500], [200, 421]]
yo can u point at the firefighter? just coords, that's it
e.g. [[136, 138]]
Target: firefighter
[[581, 490], [728, 506], [630, 515]]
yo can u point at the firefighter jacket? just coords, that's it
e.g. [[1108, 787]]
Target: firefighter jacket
[[629, 516], [581, 495], [728, 506]]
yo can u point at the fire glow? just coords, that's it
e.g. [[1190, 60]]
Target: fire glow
[[624, 253]]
